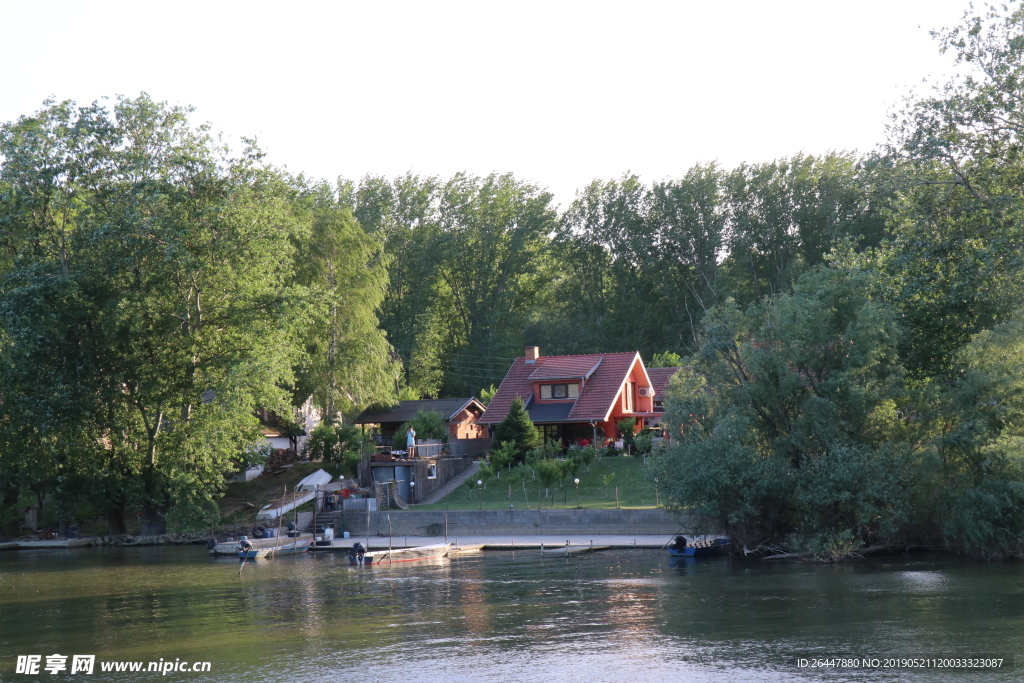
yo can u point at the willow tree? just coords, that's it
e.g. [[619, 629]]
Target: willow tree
[[348, 362]]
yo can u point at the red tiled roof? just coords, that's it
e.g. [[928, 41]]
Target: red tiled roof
[[516, 383], [659, 379], [595, 399], [565, 367]]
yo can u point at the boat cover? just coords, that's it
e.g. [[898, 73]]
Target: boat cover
[[312, 481]]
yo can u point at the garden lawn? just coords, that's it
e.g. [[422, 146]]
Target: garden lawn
[[597, 489]]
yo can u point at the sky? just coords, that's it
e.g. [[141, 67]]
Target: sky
[[557, 92]]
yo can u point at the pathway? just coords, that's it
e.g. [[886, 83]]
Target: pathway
[[455, 483]]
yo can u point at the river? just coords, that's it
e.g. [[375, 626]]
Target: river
[[619, 615]]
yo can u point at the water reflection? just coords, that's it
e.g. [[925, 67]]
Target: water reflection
[[613, 616]]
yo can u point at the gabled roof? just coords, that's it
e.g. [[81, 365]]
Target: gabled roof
[[406, 410], [605, 375]]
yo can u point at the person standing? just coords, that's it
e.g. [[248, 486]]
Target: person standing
[[410, 442]]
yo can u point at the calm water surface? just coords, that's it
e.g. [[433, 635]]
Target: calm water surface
[[621, 615]]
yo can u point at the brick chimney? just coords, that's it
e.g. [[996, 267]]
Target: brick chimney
[[532, 354]]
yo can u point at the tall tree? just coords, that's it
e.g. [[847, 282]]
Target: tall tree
[[403, 214], [348, 362], [956, 260], [169, 258]]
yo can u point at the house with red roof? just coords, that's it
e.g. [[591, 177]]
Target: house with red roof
[[572, 398]]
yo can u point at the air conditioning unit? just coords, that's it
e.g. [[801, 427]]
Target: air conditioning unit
[[647, 391]]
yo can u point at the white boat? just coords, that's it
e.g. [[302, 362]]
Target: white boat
[[56, 543], [294, 548], [275, 509], [230, 547], [423, 552], [566, 550]]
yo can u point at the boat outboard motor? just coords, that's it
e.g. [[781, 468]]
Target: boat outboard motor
[[356, 553], [245, 544], [679, 543]]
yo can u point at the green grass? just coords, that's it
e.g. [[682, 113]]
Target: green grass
[[597, 490]]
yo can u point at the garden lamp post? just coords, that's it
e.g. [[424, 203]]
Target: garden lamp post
[[480, 492], [412, 492], [577, 481], [657, 503]]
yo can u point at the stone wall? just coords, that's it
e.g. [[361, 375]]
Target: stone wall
[[509, 522]]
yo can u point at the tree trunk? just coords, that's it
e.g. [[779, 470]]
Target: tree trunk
[[41, 497], [116, 525], [9, 501], [153, 521]]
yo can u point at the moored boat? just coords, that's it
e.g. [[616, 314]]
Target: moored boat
[[254, 553], [680, 547], [566, 550], [423, 552], [294, 548]]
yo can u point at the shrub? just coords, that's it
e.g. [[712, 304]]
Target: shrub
[[517, 428], [503, 455]]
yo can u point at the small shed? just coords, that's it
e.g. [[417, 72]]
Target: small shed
[[461, 415]]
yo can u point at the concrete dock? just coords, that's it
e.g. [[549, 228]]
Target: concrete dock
[[502, 542]]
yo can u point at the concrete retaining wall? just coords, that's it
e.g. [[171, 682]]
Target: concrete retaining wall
[[510, 522]]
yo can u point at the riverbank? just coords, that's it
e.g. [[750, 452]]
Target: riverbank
[[501, 542], [520, 523]]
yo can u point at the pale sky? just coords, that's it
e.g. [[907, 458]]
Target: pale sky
[[558, 93]]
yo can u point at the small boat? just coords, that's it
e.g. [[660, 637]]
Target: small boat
[[680, 547], [423, 552], [294, 548], [254, 553], [566, 550], [56, 543]]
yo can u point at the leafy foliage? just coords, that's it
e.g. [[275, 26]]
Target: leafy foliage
[[428, 424], [781, 451], [517, 428]]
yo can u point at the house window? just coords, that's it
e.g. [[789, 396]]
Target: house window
[[549, 433], [627, 397], [431, 471], [557, 391]]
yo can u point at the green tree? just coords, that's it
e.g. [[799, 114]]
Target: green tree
[[788, 214], [503, 455], [428, 424], [403, 214], [518, 429], [348, 362], [954, 263], [981, 447], [168, 256], [666, 360], [785, 409]]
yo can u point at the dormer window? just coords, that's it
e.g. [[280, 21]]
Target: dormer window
[[559, 391]]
